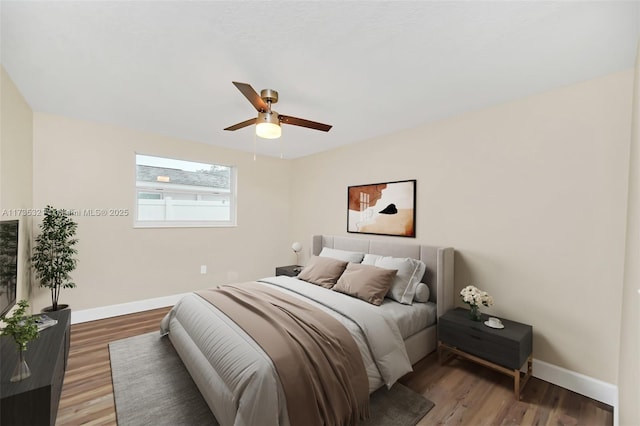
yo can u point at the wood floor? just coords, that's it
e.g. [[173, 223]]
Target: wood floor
[[464, 393]]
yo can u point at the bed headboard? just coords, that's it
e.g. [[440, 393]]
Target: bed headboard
[[439, 261]]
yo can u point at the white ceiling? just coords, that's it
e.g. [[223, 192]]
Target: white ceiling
[[367, 68]]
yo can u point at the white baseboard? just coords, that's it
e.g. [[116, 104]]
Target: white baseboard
[[576, 382], [123, 308]]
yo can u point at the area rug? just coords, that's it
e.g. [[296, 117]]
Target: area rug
[[152, 386]]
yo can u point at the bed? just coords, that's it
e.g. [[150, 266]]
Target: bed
[[239, 381]]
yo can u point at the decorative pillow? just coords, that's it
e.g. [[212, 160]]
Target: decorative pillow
[[422, 293], [366, 282], [323, 271], [344, 255], [410, 272]]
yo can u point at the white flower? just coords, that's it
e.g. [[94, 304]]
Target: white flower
[[474, 296]]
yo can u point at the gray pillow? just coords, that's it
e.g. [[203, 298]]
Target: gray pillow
[[323, 271], [422, 293], [366, 282]]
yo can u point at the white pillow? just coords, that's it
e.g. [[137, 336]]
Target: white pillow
[[370, 259], [344, 255], [410, 272], [422, 293]]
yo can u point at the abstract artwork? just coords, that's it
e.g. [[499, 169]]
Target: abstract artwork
[[383, 208]]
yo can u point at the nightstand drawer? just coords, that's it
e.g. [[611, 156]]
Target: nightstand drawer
[[477, 342]]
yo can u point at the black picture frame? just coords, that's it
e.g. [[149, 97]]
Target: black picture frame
[[386, 208]]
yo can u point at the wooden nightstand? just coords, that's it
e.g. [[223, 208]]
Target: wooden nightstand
[[289, 270], [505, 350]]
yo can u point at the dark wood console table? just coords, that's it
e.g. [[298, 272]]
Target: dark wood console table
[[34, 400]]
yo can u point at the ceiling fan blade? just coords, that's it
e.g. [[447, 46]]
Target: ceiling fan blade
[[252, 96], [294, 121], [241, 125]]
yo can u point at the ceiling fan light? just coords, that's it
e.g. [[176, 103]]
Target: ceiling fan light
[[268, 130], [268, 125]]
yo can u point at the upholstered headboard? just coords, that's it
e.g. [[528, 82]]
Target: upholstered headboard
[[439, 261]]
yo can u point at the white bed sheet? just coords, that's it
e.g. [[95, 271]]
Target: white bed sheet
[[410, 318]]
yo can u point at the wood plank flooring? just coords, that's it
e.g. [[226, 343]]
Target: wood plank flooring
[[87, 392], [464, 393]]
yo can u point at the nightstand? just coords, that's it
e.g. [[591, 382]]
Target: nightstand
[[505, 350], [289, 270]]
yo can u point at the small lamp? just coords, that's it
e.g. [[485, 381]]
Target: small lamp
[[296, 247]]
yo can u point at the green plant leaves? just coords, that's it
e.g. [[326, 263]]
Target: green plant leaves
[[54, 253], [21, 327]]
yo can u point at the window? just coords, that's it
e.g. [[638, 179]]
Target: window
[[173, 193]]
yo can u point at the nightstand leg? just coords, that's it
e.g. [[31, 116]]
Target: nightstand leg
[[443, 356], [518, 381], [518, 385]]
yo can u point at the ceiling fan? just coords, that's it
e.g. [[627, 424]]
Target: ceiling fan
[[268, 121]]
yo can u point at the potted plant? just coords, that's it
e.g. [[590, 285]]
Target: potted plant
[[53, 258], [23, 329]]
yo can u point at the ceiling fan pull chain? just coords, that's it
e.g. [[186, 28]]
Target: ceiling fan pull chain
[[254, 146]]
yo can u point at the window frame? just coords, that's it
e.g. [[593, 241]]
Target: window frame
[[233, 200]]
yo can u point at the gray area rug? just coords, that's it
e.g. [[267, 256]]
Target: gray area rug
[[151, 386]]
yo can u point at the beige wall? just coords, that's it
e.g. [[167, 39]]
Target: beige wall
[[84, 165], [16, 170], [532, 194], [629, 371]]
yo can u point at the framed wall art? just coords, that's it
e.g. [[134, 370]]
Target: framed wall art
[[383, 208]]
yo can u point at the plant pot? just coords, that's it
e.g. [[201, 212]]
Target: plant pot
[[50, 308]]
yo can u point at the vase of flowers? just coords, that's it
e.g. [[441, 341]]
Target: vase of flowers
[[474, 297]]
